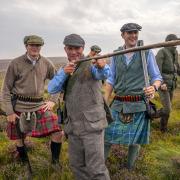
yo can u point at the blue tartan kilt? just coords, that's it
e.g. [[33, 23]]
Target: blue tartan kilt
[[135, 132]]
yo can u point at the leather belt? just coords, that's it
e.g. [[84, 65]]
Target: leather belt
[[27, 98]]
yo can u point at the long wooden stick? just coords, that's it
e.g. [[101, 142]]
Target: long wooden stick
[[151, 46]]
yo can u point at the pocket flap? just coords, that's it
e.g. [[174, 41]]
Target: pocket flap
[[95, 113]]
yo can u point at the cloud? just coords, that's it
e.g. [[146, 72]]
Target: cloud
[[97, 21]]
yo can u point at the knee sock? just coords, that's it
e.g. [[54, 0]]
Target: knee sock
[[55, 151], [133, 153], [22, 153]]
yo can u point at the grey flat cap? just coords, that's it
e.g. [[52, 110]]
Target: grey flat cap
[[130, 27], [74, 40]]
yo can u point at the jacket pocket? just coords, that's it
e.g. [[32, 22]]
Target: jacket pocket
[[95, 118]]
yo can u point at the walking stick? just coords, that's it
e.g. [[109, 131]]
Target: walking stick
[[138, 48], [21, 135], [150, 106]]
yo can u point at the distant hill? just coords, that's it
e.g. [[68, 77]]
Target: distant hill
[[57, 61]]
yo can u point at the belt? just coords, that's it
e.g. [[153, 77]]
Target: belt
[[27, 98], [129, 98]]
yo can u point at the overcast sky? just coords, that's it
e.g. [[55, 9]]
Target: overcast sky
[[97, 21]]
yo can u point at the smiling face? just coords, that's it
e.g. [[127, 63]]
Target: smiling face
[[73, 52], [33, 50], [130, 38]]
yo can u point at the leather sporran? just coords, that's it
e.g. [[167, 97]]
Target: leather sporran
[[126, 118], [27, 122]]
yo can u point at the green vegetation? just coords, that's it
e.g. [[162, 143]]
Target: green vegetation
[[159, 160]]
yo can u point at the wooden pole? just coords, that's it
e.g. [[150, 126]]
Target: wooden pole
[[138, 48]]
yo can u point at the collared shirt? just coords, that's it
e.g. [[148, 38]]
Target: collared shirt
[[56, 84], [152, 67], [32, 60]]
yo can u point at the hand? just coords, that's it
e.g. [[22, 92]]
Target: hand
[[164, 87], [100, 63], [48, 106], [70, 67], [149, 91], [12, 118]]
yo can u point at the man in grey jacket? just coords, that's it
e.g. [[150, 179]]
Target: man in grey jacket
[[86, 117]]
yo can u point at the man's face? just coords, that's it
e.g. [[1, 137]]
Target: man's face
[[94, 53], [33, 50], [130, 38], [74, 53]]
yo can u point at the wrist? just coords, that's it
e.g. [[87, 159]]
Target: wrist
[[155, 87]]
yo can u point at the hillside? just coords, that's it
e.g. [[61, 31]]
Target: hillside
[[56, 61], [160, 160]]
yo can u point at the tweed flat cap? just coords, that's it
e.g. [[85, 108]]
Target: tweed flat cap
[[96, 48], [171, 37], [74, 40], [130, 27], [33, 39]]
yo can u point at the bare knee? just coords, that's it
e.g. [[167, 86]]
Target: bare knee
[[19, 143], [57, 136]]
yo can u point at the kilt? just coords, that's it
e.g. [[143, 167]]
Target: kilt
[[46, 123], [135, 132]]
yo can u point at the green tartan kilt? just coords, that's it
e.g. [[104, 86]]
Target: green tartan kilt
[[135, 132]]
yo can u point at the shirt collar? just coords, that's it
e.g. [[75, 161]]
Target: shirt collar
[[33, 61]]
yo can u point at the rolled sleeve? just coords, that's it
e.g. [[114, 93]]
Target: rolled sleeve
[[55, 85], [153, 69], [101, 74], [111, 78]]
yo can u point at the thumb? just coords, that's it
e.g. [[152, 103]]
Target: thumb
[[17, 116]]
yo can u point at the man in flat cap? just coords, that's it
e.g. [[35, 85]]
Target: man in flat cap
[[167, 60], [131, 125], [95, 50], [22, 95], [86, 117]]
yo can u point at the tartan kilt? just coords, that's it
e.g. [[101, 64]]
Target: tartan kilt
[[46, 123], [135, 132]]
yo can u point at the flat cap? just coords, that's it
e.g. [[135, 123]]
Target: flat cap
[[171, 37], [96, 48], [74, 40], [130, 27], [33, 39]]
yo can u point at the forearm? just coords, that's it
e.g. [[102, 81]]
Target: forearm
[[157, 83], [108, 91], [55, 85], [8, 85], [6, 99]]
